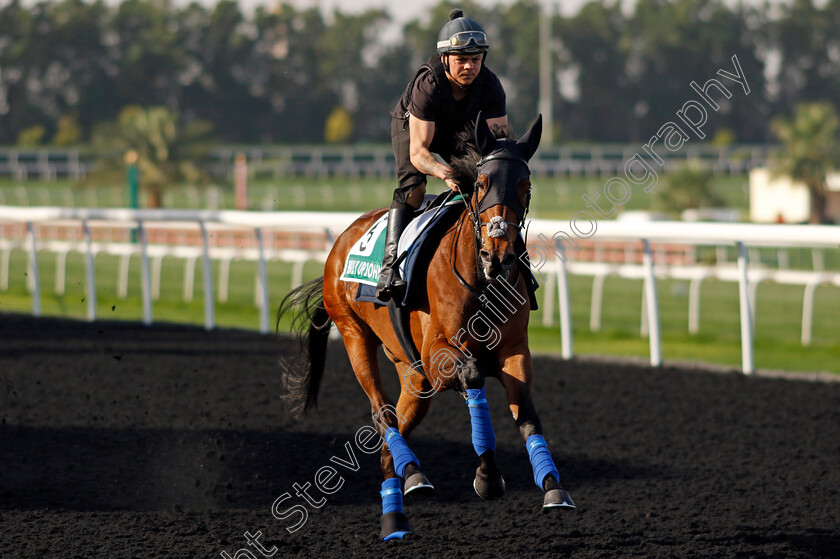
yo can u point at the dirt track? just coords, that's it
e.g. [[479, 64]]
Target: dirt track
[[124, 441]]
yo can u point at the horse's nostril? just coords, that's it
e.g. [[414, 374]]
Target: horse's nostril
[[484, 254]]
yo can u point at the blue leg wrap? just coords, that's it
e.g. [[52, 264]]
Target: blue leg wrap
[[391, 493], [399, 450], [483, 437], [541, 459]]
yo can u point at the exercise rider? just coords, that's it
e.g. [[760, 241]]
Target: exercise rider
[[447, 93]]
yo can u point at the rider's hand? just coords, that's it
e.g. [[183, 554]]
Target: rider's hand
[[451, 184]]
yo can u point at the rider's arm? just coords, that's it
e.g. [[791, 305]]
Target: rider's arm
[[421, 133], [499, 126]]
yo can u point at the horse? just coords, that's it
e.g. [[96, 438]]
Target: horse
[[471, 323]]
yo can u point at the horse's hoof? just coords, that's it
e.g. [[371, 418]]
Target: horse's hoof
[[488, 489], [418, 484], [558, 499], [394, 526]]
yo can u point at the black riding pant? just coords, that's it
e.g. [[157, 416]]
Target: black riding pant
[[408, 177]]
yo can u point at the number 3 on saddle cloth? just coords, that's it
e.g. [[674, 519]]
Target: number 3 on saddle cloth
[[416, 247]]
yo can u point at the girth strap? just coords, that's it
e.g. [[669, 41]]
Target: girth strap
[[402, 328]]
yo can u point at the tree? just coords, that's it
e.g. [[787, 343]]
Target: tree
[[674, 42], [168, 149], [31, 137], [595, 56], [810, 149], [688, 186], [67, 131]]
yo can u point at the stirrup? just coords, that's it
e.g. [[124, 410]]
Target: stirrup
[[391, 285]]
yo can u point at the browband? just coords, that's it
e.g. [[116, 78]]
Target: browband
[[503, 156]]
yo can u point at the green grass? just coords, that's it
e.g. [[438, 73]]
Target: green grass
[[553, 198], [777, 331]]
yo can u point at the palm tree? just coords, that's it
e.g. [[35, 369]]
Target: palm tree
[[167, 149], [810, 149]]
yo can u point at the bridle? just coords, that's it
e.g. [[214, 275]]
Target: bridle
[[496, 226]]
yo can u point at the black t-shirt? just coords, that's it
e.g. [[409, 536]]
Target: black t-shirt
[[429, 97], [425, 98]]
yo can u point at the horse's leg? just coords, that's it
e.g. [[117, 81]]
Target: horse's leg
[[448, 362], [362, 344], [516, 377], [397, 459], [412, 406]]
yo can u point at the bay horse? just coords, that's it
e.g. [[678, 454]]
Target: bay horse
[[471, 323]]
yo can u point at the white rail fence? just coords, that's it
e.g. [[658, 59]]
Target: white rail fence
[[194, 234]]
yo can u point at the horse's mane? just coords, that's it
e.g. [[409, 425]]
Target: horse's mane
[[466, 157]]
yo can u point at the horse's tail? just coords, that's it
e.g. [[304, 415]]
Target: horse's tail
[[301, 376]]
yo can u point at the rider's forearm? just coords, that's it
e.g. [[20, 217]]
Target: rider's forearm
[[425, 162], [500, 130]]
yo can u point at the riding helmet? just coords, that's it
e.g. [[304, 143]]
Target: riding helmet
[[461, 35]]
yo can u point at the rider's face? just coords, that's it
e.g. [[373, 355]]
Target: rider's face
[[465, 67]]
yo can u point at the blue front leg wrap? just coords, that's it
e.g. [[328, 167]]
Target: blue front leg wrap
[[483, 437], [399, 450], [391, 496], [541, 459]]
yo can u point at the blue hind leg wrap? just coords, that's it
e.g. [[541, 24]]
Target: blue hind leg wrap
[[541, 459], [483, 437], [391, 493], [399, 451]]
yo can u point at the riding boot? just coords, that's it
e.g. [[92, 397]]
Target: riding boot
[[390, 283]]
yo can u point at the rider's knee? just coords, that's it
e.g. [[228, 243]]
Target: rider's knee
[[410, 195], [415, 197]]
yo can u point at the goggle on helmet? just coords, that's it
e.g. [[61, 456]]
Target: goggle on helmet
[[461, 35]]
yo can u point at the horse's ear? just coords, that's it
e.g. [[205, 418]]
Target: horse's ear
[[530, 141], [484, 138]]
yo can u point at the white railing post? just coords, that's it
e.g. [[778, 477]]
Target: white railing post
[[597, 302], [548, 299], [694, 304], [34, 276], [90, 270], [122, 276], [157, 265], [189, 278], [747, 361], [60, 271], [263, 282], [145, 279], [297, 273], [652, 306], [209, 309], [808, 310], [566, 348], [5, 256]]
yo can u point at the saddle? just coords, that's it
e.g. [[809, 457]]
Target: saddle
[[417, 245]]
